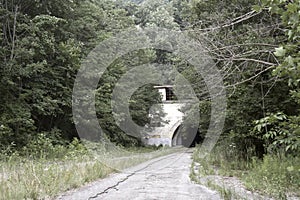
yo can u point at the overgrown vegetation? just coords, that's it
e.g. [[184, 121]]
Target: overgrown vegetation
[[34, 179], [260, 143], [274, 175], [44, 170], [254, 44], [277, 176]]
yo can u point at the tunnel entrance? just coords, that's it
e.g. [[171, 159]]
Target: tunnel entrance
[[197, 140], [179, 139]]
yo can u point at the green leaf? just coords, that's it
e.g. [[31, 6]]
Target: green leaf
[[280, 52], [259, 127], [289, 60], [257, 8], [290, 168]]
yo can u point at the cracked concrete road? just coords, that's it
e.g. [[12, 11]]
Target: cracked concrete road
[[165, 178]]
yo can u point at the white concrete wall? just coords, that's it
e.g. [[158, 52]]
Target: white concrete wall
[[163, 135]]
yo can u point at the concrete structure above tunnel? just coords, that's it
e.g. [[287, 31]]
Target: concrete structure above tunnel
[[165, 132]]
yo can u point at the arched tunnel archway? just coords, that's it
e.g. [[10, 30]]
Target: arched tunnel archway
[[178, 139]]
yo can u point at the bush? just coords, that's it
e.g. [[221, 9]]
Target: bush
[[233, 154], [50, 146], [280, 133]]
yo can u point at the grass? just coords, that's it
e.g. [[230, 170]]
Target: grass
[[203, 170], [226, 194], [273, 175], [39, 180], [42, 176]]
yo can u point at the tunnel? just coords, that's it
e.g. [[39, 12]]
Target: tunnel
[[181, 139]]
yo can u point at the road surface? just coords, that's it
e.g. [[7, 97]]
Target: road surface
[[164, 178]]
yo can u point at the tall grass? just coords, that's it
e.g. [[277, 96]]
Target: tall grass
[[39, 180], [274, 175], [225, 159], [45, 172]]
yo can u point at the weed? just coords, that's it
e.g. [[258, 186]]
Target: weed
[[40, 175], [275, 175]]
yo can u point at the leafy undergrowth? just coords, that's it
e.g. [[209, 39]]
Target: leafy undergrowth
[[55, 169], [273, 175]]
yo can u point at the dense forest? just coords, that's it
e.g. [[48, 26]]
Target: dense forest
[[255, 44]]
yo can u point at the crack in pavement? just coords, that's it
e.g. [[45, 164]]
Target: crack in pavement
[[126, 178], [165, 177]]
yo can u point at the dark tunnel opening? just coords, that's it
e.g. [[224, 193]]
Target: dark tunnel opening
[[181, 139]]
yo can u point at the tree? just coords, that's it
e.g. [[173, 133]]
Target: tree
[[241, 42], [279, 130]]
